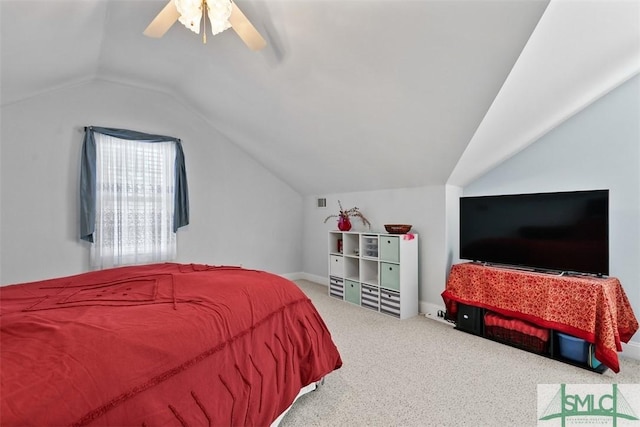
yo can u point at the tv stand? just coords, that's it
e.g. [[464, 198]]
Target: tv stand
[[595, 310]]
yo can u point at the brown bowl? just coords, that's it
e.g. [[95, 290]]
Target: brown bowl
[[397, 228]]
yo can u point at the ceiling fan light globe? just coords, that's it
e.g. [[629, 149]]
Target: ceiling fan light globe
[[190, 13], [219, 12], [192, 24]]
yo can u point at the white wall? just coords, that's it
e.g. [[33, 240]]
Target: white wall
[[423, 207], [599, 148], [240, 213], [452, 213]]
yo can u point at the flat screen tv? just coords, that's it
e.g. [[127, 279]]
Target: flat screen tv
[[561, 231]]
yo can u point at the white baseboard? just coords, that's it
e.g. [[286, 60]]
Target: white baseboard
[[631, 350], [430, 311], [306, 276], [292, 276], [315, 279]]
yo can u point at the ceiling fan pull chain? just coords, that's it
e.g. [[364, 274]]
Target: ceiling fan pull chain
[[204, 21]]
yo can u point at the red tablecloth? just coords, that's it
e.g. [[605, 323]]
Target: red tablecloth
[[594, 309]]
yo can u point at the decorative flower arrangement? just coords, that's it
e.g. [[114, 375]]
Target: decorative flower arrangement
[[343, 218]]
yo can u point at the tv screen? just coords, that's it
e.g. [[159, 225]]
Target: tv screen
[[562, 231]]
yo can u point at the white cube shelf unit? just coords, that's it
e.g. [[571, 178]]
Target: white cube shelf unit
[[375, 271]]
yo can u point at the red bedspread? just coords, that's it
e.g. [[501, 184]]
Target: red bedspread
[[163, 344]]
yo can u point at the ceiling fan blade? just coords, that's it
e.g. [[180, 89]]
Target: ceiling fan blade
[[247, 32], [163, 21]]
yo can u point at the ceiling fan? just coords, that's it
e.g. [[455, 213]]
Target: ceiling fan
[[222, 15]]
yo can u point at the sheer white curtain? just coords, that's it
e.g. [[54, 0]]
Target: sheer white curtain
[[134, 202]]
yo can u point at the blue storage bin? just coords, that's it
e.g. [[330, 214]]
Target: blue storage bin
[[577, 349]]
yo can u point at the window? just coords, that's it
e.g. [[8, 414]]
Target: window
[[134, 198]]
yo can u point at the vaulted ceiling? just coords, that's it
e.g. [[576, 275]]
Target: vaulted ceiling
[[349, 95]]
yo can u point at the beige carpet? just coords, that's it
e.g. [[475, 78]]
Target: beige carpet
[[421, 372]]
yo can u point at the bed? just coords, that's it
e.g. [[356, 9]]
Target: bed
[[160, 344]]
